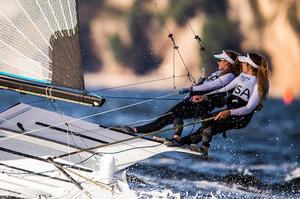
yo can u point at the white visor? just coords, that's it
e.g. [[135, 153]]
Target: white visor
[[248, 60], [224, 56]]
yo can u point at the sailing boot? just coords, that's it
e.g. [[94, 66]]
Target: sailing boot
[[202, 150], [124, 129], [178, 128], [173, 143]]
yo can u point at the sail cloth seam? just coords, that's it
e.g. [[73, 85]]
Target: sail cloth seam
[[55, 19], [19, 31], [45, 18], [34, 25], [65, 19], [19, 53], [72, 22], [89, 116]]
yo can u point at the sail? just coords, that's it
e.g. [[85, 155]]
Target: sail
[[39, 44], [39, 41]]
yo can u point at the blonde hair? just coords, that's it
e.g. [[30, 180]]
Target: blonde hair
[[262, 75]]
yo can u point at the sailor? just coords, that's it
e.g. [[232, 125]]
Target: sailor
[[228, 69], [248, 92]]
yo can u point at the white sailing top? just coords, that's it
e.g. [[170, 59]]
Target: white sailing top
[[246, 88], [214, 81]]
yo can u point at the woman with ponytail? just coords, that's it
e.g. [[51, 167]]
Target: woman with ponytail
[[228, 69], [248, 92]]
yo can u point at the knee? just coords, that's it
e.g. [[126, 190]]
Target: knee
[[206, 135], [207, 132], [178, 121]]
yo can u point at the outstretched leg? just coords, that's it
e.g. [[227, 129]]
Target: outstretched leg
[[193, 138], [185, 109], [178, 128], [206, 137]]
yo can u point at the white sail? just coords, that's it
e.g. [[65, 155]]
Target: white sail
[[29, 32]]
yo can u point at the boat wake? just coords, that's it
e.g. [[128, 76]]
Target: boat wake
[[167, 178]]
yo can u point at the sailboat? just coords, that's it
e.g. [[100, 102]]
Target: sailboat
[[46, 154]]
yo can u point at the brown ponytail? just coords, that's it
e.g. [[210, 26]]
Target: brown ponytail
[[262, 75]]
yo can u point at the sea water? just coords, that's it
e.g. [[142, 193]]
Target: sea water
[[260, 161]]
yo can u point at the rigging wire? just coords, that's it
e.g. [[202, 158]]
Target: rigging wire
[[139, 98], [89, 116], [132, 138], [61, 114], [137, 83], [200, 42], [174, 72], [143, 121], [116, 152], [175, 48], [97, 183], [69, 132]]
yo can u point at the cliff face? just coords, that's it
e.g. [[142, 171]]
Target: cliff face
[[277, 36], [130, 40]]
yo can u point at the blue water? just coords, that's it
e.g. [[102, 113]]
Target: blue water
[[260, 161]]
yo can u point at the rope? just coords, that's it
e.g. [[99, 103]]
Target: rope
[[102, 185], [175, 47], [137, 83], [25, 171], [174, 67], [142, 121], [88, 116], [116, 152], [140, 98], [56, 107], [201, 44], [129, 139]]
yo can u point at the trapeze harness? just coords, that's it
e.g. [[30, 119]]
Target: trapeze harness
[[242, 102], [187, 109]]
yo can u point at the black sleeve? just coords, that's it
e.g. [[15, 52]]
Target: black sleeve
[[217, 95], [192, 93], [222, 94]]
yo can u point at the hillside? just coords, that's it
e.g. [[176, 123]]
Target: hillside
[[127, 41]]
